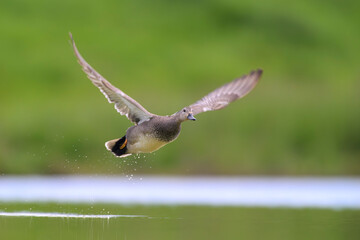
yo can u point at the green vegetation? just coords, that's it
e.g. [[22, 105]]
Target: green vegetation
[[188, 222], [303, 118]]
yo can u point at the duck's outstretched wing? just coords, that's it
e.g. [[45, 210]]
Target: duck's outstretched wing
[[124, 104], [222, 96]]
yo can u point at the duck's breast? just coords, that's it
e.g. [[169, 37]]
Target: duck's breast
[[152, 135], [145, 143], [167, 131]]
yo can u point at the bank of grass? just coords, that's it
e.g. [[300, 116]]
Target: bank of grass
[[302, 119]]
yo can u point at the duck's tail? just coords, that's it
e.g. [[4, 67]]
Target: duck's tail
[[118, 147]]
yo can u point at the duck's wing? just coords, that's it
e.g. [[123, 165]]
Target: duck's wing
[[124, 104], [222, 96]]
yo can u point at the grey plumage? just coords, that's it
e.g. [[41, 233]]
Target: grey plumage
[[222, 96], [152, 131], [124, 104]]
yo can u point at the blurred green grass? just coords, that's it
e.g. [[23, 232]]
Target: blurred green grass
[[302, 119]]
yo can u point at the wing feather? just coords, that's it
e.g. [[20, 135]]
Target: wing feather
[[124, 104], [222, 96]]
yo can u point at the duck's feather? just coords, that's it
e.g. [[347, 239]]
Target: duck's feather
[[124, 104], [222, 96]]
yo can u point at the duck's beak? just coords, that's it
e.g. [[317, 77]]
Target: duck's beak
[[191, 117]]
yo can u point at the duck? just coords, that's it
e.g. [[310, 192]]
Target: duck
[[150, 132]]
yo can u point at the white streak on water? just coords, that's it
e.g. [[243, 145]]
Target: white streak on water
[[65, 215], [335, 193]]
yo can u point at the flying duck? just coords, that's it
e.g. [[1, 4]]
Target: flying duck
[[152, 131]]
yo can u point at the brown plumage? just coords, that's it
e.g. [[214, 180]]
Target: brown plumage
[[152, 131]]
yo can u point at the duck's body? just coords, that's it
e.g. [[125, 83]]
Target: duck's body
[[152, 131], [148, 136]]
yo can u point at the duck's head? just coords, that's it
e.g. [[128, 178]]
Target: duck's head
[[185, 114]]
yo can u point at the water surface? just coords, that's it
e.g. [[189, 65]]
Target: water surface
[[149, 207], [178, 223], [335, 193]]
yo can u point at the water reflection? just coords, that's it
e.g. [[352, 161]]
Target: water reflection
[[181, 222], [65, 215]]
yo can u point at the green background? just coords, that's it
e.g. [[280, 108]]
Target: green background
[[302, 118]]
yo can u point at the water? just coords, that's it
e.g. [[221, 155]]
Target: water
[[160, 208], [336, 193], [65, 215], [180, 222]]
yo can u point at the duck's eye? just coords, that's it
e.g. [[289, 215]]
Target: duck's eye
[[184, 110]]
